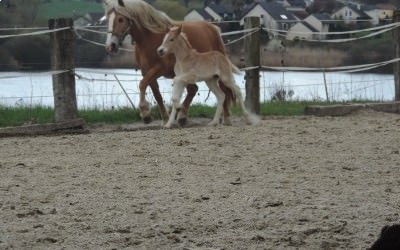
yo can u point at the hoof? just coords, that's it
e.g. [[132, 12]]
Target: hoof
[[182, 121], [213, 124], [227, 122], [147, 119]]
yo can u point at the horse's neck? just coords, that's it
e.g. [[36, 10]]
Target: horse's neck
[[142, 36]]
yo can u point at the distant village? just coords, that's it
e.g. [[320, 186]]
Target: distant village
[[297, 19]]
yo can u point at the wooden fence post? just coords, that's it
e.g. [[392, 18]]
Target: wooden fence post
[[396, 38], [62, 58], [252, 58]]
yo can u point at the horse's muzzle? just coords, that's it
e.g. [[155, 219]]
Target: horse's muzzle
[[112, 48]]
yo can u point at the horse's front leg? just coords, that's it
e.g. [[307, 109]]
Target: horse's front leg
[[149, 78], [157, 95], [191, 92]]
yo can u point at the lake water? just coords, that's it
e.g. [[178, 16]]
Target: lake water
[[99, 88]]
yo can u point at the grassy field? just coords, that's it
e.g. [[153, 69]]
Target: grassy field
[[16, 116], [59, 8]]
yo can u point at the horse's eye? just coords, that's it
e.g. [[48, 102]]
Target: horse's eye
[[121, 20], [171, 40]]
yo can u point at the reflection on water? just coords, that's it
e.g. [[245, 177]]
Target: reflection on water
[[99, 88]]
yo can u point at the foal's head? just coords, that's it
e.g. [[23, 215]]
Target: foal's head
[[173, 41]]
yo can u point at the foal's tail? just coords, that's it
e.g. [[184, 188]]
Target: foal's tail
[[251, 118], [235, 69]]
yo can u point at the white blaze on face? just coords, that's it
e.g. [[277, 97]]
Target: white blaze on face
[[111, 18], [162, 47]]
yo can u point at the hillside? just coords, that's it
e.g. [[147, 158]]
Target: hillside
[[60, 8]]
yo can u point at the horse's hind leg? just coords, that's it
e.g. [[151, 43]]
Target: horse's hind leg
[[219, 94], [191, 92], [227, 103]]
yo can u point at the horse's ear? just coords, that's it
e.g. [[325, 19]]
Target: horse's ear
[[174, 28], [121, 3]]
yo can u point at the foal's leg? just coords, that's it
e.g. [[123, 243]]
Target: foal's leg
[[177, 91], [191, 92], [227, 102], [219, 94]]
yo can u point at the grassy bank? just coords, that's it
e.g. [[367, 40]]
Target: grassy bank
[[58, 8], [16, 116]]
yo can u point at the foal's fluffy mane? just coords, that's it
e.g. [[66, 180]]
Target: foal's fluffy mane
[[186, 40], [142, 13]]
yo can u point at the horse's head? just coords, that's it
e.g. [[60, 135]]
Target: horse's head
[[119, 26], [169, 42]]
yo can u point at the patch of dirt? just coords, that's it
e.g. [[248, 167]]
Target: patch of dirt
[[288, 183]]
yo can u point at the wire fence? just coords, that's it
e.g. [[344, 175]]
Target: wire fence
[[99, 89]]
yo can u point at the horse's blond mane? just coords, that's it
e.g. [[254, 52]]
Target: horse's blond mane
[[142, 13]]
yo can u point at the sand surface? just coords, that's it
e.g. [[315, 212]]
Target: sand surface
[[289, 183]]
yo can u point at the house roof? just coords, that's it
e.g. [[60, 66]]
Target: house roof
[[220, 9], [387, 6], [297, 3], [300, 14], [322, 16], [202, 13], [274, 9], [310, 27]]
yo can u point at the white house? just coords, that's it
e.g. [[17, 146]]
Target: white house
[[212, 12], [310, 27], [319, 21], [302, 31], [198, 15], [379, 12], [272, 16], [349, 13]]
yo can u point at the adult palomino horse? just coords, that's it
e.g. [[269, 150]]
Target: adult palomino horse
[[193, 66], [147, 26]]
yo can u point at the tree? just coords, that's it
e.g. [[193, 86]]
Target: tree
[[19, 12], [172, 8]]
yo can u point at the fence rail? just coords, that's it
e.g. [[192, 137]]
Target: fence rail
[[98, 88]]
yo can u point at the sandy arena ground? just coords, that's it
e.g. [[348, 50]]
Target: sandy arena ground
[[289, 183]]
